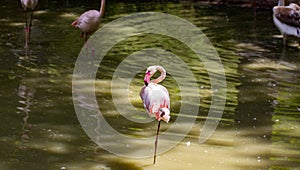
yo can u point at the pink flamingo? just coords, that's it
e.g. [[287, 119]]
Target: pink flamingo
[[286, 18], [89, 21], [156, 98], [28, 4]]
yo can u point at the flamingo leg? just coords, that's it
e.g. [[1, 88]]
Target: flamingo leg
[[26, 23], [26, 30], [156, 141], [82, 35], [284, 39], [30, 23], [86, 37]]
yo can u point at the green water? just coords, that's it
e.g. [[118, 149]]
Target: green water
[[259, 128]]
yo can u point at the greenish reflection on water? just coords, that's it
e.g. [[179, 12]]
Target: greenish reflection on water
[[39, 130]]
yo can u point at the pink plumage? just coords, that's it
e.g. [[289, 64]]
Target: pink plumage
[[156, 101], [156, 98], [89, 21], [29, 4]]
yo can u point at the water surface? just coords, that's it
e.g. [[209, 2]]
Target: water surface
[[259, 128]]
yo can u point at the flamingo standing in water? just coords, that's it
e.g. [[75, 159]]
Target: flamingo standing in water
[[28, 4], [287, 19], [156, 98], [89, 21]]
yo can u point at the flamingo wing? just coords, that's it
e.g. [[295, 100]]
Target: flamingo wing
[[145, 96], [288, 15], [154, 98], [29, 3], [88, 21]]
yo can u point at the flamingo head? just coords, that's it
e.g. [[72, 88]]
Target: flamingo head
[[147, 78], [151, 70], [165, 114]]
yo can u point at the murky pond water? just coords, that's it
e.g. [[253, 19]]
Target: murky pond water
[[259, 128]]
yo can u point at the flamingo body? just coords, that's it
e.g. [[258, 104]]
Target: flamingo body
[[88, 22], [287, 19], [29, 4], [156, 101]]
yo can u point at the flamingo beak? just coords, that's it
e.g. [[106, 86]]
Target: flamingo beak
[[147, 78]]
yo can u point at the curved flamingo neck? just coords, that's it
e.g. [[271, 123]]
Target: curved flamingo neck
[[162, 75], [102, 7]]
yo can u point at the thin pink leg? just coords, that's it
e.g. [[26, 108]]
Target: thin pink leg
[[26, 30], [27, 37], [84, 36], [30, 24], [156, 141]]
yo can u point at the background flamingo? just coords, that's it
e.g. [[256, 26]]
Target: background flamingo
[[89, 21], [286, 18], [156, 98], [28, 4]]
